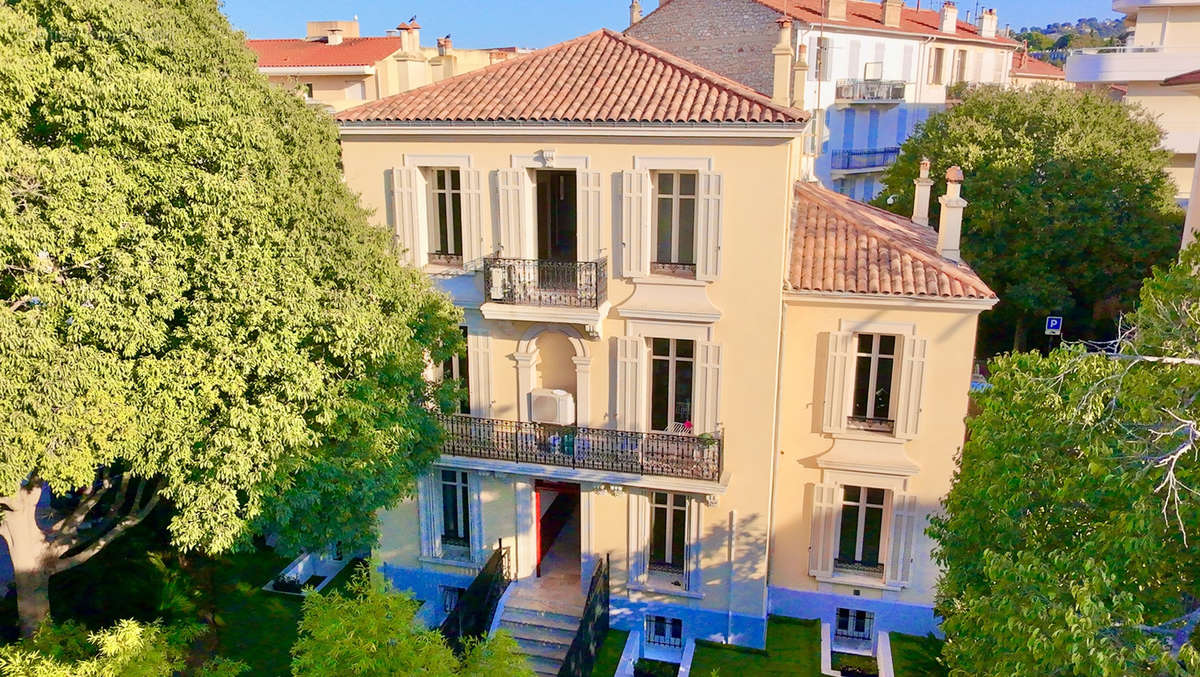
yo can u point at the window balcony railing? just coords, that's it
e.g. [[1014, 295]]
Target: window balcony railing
[[654, 453], [871, 91], [534, 282], [875, 158], [853, 566]]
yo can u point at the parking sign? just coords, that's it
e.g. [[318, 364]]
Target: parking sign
[[1053, 326]]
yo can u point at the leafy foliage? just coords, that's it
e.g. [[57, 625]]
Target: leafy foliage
[[372, 630], [1070, 205], [1065, 550], [191, 296]]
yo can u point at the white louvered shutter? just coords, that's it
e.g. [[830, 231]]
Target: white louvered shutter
[[708, 226], [472, 215], [631, 359], [410, 234], [904, 531], [430, 511], [708, 387], [515, 242], [479, 367], [837, 381], [824, 530], [912, 383], [635, 223], [587, 189]]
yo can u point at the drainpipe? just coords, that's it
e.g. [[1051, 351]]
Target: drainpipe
[[729, 581]]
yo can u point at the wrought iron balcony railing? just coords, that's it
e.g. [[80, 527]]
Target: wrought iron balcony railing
[[871, 90], [654, 453], [874, 158], [534, 282]]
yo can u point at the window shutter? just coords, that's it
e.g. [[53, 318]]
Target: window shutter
[[475, 516], [587, 188], [472, 190], [708, 387], [837, 380], [631, 360], [410, 233], [635, 223], [904, 530], [639, 534], [708, 226], [912, 382], [430, 514], [515, 243], [824, 528], [479, 380]]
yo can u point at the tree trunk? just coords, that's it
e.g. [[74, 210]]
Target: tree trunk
[[1019, 334], [33, 558]]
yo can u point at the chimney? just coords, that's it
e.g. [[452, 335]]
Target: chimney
[[988, 23], [921, 197], [635, 12], [782, 52], [414, 36], [891, 12], [799, 78], [949, 17], [333, 36], [950, 224], [444, 46], [835, 10], [319, 30]]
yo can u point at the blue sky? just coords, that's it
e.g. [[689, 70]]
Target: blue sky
[[537, 23]]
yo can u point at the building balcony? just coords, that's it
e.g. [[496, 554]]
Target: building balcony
[[1130, 63], [687, 457], [539, 290], [864, 161], [871, 91]]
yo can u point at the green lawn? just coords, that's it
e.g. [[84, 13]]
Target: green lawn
[[914, 656], [610, 653], [793, 648]]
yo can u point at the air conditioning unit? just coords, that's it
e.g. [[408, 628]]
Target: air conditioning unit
[[552, 406]]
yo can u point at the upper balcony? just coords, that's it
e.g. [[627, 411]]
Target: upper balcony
[[540, 290], [864, 161], [681, 456], [1130, 63], [871, 91]]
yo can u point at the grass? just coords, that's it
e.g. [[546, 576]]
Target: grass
[[914, 656], [793, 648], [610, 653], [252, 625]]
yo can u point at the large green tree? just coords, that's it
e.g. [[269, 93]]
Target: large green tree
[[372, 631], [1070, 205], [194, 311], [1070, 533]]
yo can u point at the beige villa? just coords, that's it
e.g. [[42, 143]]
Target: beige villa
[[684, 356]]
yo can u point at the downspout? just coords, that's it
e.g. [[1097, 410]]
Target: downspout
[[729, 581]]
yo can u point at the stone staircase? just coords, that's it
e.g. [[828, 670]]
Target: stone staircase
[[543, 628]]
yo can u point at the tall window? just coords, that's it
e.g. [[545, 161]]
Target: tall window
[[960, 66], [860, 536], [446, 244], [456, 530], [308, 90], [668, 532], [874, 367], [671, 373], [937, 58], [455, 367], [675, 233]]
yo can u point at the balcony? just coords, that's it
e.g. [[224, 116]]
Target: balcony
[[1130, 63], [686, 457], [862, 161], [540, 290], [871, 91]]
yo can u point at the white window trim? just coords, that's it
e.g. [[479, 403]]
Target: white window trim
[[893, 485], [640, 516], [671, 330], [873, 327], [863, 504], [548, 159], [872, 381], [431, 190], [429, 507], [676, 198], [672, 360], [441, 161], [696, 164]]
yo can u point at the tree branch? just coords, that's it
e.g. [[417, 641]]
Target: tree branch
[[92, 495], [134, 518]]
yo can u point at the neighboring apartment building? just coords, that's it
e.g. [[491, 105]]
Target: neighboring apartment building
[[1028, 72], [684, 356], [1165, 43], [1190, 83], [335, 67], [873, 70]]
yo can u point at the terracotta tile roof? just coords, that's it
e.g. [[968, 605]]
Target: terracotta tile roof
[[600, 77], [844, 246], [1189, 78], [1023, 64], [299, 53], [870, 15]]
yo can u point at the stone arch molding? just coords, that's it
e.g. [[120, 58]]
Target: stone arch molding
[[526, 357]]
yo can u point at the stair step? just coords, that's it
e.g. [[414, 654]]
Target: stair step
[[535, 634], [555, 652], [543, 666], [547, 620]]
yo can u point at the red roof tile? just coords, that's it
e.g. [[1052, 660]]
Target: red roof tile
[[600, 77], [1023, 64], [299, 53], [843, 246], [861, 14], [1189, 78]]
